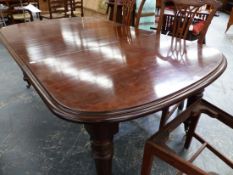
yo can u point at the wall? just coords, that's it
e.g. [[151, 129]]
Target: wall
[[100, 5], [96, 5]]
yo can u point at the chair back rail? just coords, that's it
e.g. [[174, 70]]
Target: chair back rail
[[57, 9], [177, 17]]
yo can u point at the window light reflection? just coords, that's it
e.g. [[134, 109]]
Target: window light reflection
[[70, 37], [209, 52], [83, 75], [35, 53], [101, 80], [113, 53], [165, 88], [108, 51]]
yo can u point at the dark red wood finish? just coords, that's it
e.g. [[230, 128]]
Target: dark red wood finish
[[100, 73]]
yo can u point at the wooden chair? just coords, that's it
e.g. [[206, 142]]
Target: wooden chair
[[57, 9], [76, 5], [19, 16], [127, 9], [2, 15], [184, 15], [156, 145], [182, 18], [16, 13], [177, 22], [230, 21]]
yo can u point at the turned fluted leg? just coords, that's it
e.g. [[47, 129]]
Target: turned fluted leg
[[101, 136]]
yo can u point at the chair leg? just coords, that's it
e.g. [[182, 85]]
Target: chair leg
[[147, 160], [82, 14], [107, 10], [191, 123], [164, 117], [228, 26], [171, 158], [167, 113], [190, 133], [25, 78], [181, 106], [157, 10]]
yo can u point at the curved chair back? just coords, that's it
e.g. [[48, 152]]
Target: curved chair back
[[182, 18]]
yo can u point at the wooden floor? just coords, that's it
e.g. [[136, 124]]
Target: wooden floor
[[35, 142]]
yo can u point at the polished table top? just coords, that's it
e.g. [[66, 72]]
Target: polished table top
[[100, 73], [92, 70]]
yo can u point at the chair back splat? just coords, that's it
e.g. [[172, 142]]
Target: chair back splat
[[187, 19], [127, 10], [57, 9]]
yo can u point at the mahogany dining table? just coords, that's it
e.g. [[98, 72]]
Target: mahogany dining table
[[100, 73]]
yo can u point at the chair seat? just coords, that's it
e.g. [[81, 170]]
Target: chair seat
[[75, 13], [23, 16], [54, 15]]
